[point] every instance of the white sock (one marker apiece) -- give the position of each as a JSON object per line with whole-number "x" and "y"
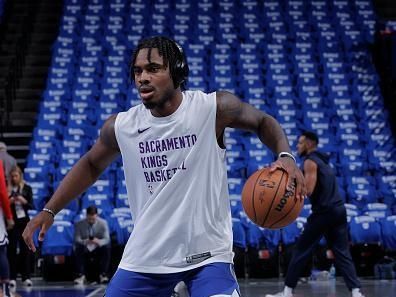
{"x": 6, "y": 290}
{"x": 355, "y": 291}
{"x": 288, "y": 291}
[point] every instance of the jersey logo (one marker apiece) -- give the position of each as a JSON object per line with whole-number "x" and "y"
{"x": 140, "y": 131}
{"x": 194, "y": 259}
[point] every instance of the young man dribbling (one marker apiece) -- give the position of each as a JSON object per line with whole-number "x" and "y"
{"x": 174, "y": 161}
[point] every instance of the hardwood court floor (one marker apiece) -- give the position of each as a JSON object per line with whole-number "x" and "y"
{"x": 332, "y": 288}
{"x": 249, "y": 288}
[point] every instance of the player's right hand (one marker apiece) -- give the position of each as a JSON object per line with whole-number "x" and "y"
{"x": 43, "y": 220}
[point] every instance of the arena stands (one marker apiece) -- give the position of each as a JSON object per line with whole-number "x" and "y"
{"x": 307, "y": 63}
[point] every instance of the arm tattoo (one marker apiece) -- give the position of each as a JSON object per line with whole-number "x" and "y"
{"x": 228, "y": 110}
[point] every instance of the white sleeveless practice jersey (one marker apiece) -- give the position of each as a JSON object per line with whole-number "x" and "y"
{"x": 176, "y": 180}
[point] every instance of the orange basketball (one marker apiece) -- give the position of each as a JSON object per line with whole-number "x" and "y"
{"x": 267, "y": 202}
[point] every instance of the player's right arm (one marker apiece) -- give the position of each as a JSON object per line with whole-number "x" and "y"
{"x": 82, "y": 175}
{"x": 310, "y": 175}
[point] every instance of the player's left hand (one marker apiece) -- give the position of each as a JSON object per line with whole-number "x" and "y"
{"x": 295, "y": 181}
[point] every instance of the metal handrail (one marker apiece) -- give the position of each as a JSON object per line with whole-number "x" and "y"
{"x": 17, "y": 64}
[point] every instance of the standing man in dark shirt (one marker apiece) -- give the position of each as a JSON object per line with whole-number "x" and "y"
{"x": 328, "y": 219}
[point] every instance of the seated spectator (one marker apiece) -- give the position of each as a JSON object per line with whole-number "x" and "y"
{"x": 92, "y": 241}
{"x": 21, "y": 200}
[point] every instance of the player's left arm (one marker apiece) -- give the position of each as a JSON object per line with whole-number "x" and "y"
{"x": 232, "y": 112}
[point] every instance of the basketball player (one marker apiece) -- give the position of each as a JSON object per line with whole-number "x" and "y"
{"x": 5, "y": 216}
{"x": 328, "y": 219}
{"x": 173, "y": 154}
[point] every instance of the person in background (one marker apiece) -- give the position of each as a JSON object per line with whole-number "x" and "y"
{"x": 21, "y": 200}
{"x": 5, "y": 216}
{"x": 328, "y": 219}
{"x": 9, "y": 162}
{"x": 92, "y": 239}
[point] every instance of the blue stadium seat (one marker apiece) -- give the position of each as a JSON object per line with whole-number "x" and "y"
{"x": 387, "y": 188}
{"x": 388, "y": 232}
{"x": 361, "y": 190}
{"x": 121, "y": 196}
{"x": 306, "y": 63}
{"x": 65, "y": 215}
{"x": 290, "y": 233}
{"x": 120, "y": 224}
{"x": 365, "y": 230}
{"x": 236, "y": 206}
{"x": 101, "y": 194}
{"x": 352, "y": 211}
{"x": 239, "y": 234}
{"x": 259, "y": 238}
{"x": 306, "y": 210}
{"x": 235, "y": 185}
{"x": 59, "y": 239}
{"x": 377, "y": 210}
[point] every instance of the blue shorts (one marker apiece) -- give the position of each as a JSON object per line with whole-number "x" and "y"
{"x": 216, "y": 279}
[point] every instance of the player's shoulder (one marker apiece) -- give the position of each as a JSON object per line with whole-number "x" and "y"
{"x": 226, "y": 98}
{"x": 192, "y": 94}
{"x": 199, "y": 101}
{"x": 108, "y": 125}
{"x": 311, "y": 158}
{"x": 319, "y": 157}
{"x": 223, "y": 93}
{"x": 132, "y": 109}
{"x": 128, "y": 116}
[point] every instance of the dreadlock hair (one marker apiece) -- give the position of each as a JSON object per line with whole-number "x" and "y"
{"x": 311, "y": 136}
{"x": 172, "y": 55}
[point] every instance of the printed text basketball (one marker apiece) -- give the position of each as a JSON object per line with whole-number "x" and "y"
{"x": 266, "y": 200}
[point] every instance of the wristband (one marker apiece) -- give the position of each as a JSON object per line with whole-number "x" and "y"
{"x": 49, "y": 211}
{"x": 286, "y": 154}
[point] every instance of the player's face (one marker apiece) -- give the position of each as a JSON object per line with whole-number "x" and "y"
{"x": 302, "y": 146}
{"x": 153, "y": 79}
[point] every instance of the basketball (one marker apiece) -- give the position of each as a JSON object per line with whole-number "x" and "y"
{"x": 266, "y": 200}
